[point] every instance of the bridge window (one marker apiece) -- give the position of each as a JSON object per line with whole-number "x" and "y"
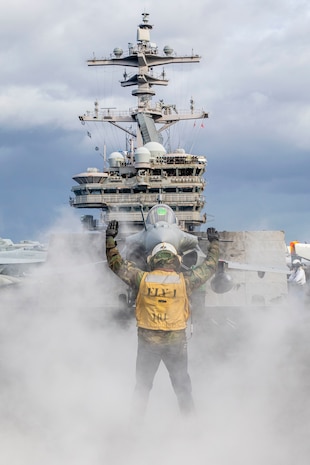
{"x": 110, "y": 191}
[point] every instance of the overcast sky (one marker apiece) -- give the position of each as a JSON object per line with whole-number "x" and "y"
{"x": 253, "y": 80}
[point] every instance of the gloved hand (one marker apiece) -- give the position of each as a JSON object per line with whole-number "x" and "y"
{"x": 212, "y": 234}
{"x": 112, "y": 228}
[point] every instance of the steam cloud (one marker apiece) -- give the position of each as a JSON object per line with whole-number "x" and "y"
{"x": 67, "y": 375}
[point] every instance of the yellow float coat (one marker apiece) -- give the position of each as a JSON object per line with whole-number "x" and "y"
{"x": 162, "y": 302}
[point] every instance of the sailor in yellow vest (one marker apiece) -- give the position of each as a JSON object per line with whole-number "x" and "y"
{"x": 162, "y": 312}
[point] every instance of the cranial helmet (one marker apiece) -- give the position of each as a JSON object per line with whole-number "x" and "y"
{"x": 164, "y": 255}
{"x": 296, "y": 263}
{"x": 164, "y": 246}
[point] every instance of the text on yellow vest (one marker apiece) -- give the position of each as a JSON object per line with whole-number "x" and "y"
{"x": 162, "y": 301}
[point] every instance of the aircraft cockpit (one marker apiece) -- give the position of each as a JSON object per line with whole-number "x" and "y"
{"x": 159, "y": 213}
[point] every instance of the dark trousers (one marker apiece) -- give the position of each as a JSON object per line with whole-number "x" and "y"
{"x": 171, "y": 348}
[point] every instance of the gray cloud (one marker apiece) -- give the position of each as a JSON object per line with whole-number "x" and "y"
{"x": 253, "y": 80}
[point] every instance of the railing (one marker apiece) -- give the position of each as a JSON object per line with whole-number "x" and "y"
{"x": 187, "y": 179}
{"x": 127, "y": 217}
{"x": 137, "y": 199}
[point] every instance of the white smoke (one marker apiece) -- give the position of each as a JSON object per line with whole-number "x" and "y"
{"x": 67, "y": 375}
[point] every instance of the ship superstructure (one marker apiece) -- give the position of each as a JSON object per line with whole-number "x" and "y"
{"x": 145, "y": 173}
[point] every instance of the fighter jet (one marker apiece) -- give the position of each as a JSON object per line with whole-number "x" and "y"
{"x": 161, "y": 225}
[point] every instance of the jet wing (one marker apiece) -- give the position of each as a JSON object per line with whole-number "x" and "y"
{"x": 303, "y": 250}
{"x": 250, "y": 267}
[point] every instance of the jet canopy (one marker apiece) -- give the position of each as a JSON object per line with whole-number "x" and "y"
{"x": 159, "y": 213}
